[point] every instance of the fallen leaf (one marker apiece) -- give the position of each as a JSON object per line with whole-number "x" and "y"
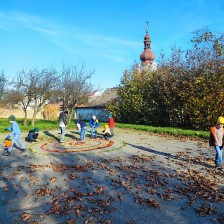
{"x": 26, "y": 216}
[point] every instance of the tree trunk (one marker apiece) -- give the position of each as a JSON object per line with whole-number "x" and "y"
{"x": 35, "y": 111}
{"x": 71, "y": 115}
{"x": 25, "y": 117}
{"x": 34, "y": 117}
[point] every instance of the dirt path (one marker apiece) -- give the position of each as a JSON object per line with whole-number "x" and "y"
{"x": 142, "y": 178}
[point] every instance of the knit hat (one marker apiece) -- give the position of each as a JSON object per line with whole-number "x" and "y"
{"x": 12, "y": 118}
{"x": 106, "y": 126}
{"x": 94, "y": 117}
{"x": 36, "y": 129}
{"x": 220, "y": 120}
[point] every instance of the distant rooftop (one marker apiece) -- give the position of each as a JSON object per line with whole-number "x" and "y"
{"x": 101, "y": 100}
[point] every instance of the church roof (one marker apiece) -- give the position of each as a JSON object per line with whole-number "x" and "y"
{"x": 147, "y": 56}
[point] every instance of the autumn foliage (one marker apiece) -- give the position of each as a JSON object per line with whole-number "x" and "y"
{"x": 185, "y": 91}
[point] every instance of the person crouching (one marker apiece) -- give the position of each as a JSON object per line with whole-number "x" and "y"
{"x": 32, "y": 135}
{"x": 106, "y": 132}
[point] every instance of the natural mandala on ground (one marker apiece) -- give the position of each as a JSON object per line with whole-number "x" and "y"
{"x": 75, "y": 146}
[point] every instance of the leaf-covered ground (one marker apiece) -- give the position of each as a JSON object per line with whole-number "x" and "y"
{"x": 143, "y": 178}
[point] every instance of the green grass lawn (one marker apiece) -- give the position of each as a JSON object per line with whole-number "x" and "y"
{"x": 53, "y": 124}
{"x": 167, "y": 130}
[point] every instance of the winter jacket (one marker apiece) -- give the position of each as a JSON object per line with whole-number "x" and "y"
{"x": 94, "y": 123}
{"x": 62, "y": 119}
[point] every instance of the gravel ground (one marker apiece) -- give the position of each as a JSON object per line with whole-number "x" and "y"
{"x": 142, "y": 178}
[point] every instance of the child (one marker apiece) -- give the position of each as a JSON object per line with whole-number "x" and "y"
{"x": 82, "y": 127}
{"x": 15, "y": 135}
{"x": 111, "y": 123}
{"x": 106, "y": 132}
{"x": 94, "y": 124}
{"x": 218, "y": 133}
{"x": 32, "y": 135}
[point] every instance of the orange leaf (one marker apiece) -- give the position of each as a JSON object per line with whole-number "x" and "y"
{"x": 26, "y": 216}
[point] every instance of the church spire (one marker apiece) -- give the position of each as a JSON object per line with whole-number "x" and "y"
{"x": 147, "y": 56}
{"x": 147, "y": 27}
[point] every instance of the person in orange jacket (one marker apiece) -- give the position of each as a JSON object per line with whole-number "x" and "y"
{"x": 218, "y": 134}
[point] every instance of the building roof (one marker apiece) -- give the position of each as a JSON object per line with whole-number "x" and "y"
{"x": 101, "y": 100}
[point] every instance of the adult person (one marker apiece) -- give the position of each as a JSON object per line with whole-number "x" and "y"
{"x": 15, "y": 134}
{"x": 94, "y": 124}
{"x": 62, "y": 122}
{"x": 82, "y": 127}
{"x": 218, "y": 134}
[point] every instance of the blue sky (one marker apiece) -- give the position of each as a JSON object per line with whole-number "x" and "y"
{"x": 105, "y": 35}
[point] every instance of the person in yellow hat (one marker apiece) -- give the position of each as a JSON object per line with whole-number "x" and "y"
{"x": 106, "y": 132}
{"x": 218, "y": 134}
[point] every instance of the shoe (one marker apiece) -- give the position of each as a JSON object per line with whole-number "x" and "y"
{"x": 220, "y": 167}
{"x": 94, "y": 137}
{"x": 6, "y": 153}
{"x": 23, "y": 150}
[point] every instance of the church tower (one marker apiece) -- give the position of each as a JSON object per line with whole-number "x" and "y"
{"x": 147, "y": 56}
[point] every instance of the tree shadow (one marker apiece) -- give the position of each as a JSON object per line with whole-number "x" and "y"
{"x": 10, "y": 187}
{"x": 51, "y": 135}
{"x": 88, "y": 181}
{"x": 169, "y": 155}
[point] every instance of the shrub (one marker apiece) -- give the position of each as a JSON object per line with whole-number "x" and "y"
{"x": 51, "y": 111}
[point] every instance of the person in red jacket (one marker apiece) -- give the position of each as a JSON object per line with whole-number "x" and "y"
{"x": 111, "y": 123}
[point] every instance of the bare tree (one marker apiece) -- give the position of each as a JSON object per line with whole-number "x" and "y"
{"x": 33, "y": 88}
{"x": 75, "y": 87}
{"x": 22, "y": 93}
{"x": 2, "y": 87}
{"x": 43, "y": 89}
{"x": 2, "y": 83}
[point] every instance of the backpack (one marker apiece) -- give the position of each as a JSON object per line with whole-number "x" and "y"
{"x": 211, "y": 139}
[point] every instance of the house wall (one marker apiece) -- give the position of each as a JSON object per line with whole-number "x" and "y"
{"x": 87, "y": 113}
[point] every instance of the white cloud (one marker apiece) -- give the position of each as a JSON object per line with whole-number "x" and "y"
{"x": 70, "y": 38}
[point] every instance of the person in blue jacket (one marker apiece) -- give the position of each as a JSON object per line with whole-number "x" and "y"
{"x": 15, "y": 135}
{"x": 94, "y": 124}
